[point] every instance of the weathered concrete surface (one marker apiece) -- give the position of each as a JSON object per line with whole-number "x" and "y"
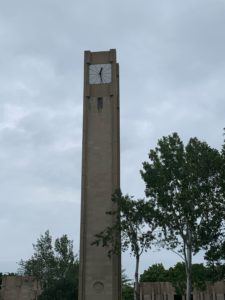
{"x": 99, "y": 277}
{"x": 19, "y": 288}
{"x": 165, "y": 291}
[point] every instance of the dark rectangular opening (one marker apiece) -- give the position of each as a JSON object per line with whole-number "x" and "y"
{"x": 177, "y": 297}
{"x": 100, "y": 103}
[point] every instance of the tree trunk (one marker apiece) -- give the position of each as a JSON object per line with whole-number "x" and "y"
{"x": 136, "y": 284}
{"x": 189, "y": 266}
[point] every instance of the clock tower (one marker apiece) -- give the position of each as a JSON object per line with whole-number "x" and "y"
{"x": 100, "y": 276}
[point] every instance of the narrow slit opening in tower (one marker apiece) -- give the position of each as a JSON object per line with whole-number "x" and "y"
{"x": 100, "y": 103}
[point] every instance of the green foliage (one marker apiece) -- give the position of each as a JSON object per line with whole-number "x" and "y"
{"x": 56, "y": 267}
{"x": 215, "y": 250}
{"x": 155, "y": 273}
{"x": 215, "y": 256}
{"x": 42, "y": 264}
{"x": 200, "y": 275}
{"x": 177, "y": 276}
{"x": 185, "y": 186}
{"x": 127, "y": 292}
{"x": 216, "y": 272}
{"x": 63, "y": 288}
{"x": 129, "y": 225}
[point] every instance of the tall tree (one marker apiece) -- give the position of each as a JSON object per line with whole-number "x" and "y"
{"x": 184, "y": 186}
{"x": 42, "y": 264}
{"x": 130, "y": 226}
{"x": 55, "y": 266}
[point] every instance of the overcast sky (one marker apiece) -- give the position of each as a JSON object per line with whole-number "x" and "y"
{"x": 172, "y": 74}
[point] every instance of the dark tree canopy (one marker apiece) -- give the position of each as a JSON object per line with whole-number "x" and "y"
{"x": 177, "y": 276}
{"x": 155, "y": 273}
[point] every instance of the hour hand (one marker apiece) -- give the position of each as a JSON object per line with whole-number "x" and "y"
{"x": 100, "y": 73}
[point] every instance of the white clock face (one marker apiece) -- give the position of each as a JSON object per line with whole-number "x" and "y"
{"x": 100, "y": 73}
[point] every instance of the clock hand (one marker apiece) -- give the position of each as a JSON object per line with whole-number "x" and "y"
{"x": 100, "y": 73}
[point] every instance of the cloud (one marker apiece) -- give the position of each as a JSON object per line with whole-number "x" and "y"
{"x": 171, "y": 57}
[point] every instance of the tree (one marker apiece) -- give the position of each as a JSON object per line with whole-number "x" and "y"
{"x": 42, "y": 264}
{"x": 155, "y": 273}
{"x": 130, "y": 225}
{"x": 56, "y": 267}
{"x": 185, "y": 188}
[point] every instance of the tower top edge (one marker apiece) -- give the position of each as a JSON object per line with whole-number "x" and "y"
{"x": 100, "y": 52}
{"x": 100, "y": 56}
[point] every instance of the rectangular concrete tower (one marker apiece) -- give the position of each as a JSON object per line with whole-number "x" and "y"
{"x": 100, "y": 276}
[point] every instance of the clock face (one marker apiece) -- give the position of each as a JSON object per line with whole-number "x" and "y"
{"x": 100, "y": 73}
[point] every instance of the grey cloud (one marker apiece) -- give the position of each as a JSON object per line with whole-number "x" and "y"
{"x": 44, "y": 150}
{"x": 171, "y": 56}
